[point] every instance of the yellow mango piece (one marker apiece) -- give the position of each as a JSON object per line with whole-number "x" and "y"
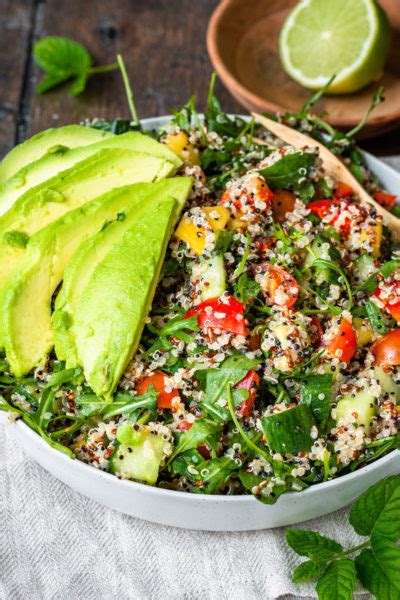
{"x": 192, "y": 235}
{"x": 374, "y": 234}
{"x": 179, "y": 143}
{"x": 237, "y": 224}
{"x": 363, "y": 331}
{"x": 217, "y": 216}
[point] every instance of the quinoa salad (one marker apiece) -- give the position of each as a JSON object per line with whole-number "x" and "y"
{"x": 270, "y": 359}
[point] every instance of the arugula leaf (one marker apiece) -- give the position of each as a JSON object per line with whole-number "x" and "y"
{"x": 375, "y": 317}
{"x": 291, "y": 170}
{"x": 64, "y": 376}
{"x": 197, "y": 434}
{"x": 62, "y": 60}
{"x": 216, "y": 472}
{"x": 224, "y": 240}
{"x": 231, "y": 371}
{"x": 246, "y": 288}
{"x": 89, "y": 405}
{"x": 338, "y": 581}
{"x": 307, "y": 570}
{"x": 312, "y": 544}
{"x": 377, "y": 511}
{"x": 386, "y": 270}
{"x": 316, "y": 392}
{"x": 217, "y": 120}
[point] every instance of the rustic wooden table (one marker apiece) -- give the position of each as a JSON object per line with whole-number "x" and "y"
{"x": 162, "y": 41}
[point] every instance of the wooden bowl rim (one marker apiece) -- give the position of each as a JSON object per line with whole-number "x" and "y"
{"x": 232, "y": 83}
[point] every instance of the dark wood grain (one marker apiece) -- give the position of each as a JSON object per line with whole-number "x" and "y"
{"x": 162, "y": 41}
{"x": 163, "y": 44}
{"x": 16, "y": 23}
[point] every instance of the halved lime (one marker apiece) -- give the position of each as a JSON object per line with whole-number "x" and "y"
{"x": 346, "y": 38}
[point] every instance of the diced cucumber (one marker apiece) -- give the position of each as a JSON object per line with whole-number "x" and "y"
{"x": 363, "y": 267}
{"x": 211, "y": 274}
{"x": 387, "y": 384}
{"x": 290, "y": 430}
{"x": 362, "y": 408}
{"x": 140, "y": 462}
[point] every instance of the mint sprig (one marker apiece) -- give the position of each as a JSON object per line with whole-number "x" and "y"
{"x": 375, "y": 562}
{"x": 64, "y": 60}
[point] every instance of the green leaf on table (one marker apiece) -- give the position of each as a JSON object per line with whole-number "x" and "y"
{"x": 62, "y": 59}
{"x": 372, "y": 572}
{"x": 377, "y": 511}
{"x": 312, "y": 544}
{"x": 307, "y": 570}
{"x": 291, "y": 170}
{"x": 338, "y": 581}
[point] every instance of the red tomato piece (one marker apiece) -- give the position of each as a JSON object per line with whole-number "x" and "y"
{"x": 250, "y": 383}
{"x": 391, "y": 302}
{"x": 385, "y": 199}
{"x": 225, "y": 313}
{"x": 316, "y": 332}
{"x": 387, "y": 349}
{"x": 242, "y": 196}
{"x": 280, "y": 287}
{"x": 330, "y": 211}
{"x": 343, "y": 344}
{"x": 282, "y": 203}
{"x": 184, "y": 426}
{"x": 343, "y": 190}
{"x": 157, "y": 379}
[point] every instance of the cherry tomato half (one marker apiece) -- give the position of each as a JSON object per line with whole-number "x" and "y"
{"x": 250, "y": 383}
{"x": 343, "y": 344}
{"x": 331, "y": 211}
{"x": 254, "y": 187}
{"x": 225, "y": 313}
{"x": 282, "y": 203}
{"x": 280, "y": 287}
{"x": 385, "y": 199}
{"x": 157, "y": 379}
{"x": 392, "y": 302}
{"x": 343, "y": 190}
{"x": 387, "y": 349}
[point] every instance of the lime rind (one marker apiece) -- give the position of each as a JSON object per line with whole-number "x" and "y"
{"x": 307, "y": 20}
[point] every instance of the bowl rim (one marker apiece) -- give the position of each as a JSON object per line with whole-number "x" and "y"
{"x": 189, "y": 496}
{"x": 36, "y": 439}
{"x": 232, "y": 83}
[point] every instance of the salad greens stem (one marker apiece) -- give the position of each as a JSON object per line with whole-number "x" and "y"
{"x": 128, "y": 90}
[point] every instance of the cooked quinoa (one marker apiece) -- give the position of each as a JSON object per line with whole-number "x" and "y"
{"x": 259, "y": 369}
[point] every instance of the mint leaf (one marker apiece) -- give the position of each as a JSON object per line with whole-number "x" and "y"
{"x": 338, "y": 581}
{"x": 377, "y": 511}
{"x": 373, "y": 578}
{"x": 387, "y": 555}
{"x": 312, "y": 544}
{"x": 62, "y": 59}
{"x": 307, "y": 570}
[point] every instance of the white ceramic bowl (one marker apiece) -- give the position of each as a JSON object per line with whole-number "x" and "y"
{"x": 198, "y": 511}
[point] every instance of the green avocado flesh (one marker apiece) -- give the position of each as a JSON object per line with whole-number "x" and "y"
{"x": 110, "y": 313}
{"x": 81, "y": 267}
{"x": 70, "y": 136}
{"x": 52, "y": 163}
{"x": 106, "y": 170}
{"x": 25, "y": 301}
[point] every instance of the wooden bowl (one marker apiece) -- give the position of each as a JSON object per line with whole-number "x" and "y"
{"x": 242, "y": 41}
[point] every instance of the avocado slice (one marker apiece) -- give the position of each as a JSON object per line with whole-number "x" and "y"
{"x": 50, "y": 200}
{"x": 70, "y": 136}
{"x": 61, "y": 159}
{"x": 111, "y": 311}
{"x": 91, "y": 253}
{"x": 25, "y": 301}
